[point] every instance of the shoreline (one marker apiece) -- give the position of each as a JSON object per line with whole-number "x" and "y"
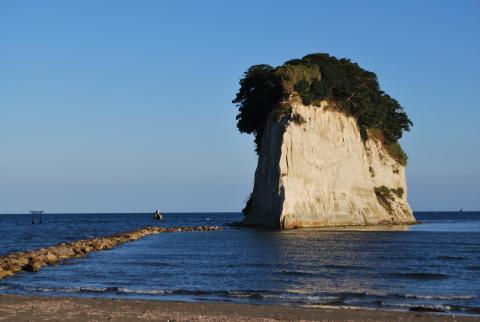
{"x": 38, "y": 308}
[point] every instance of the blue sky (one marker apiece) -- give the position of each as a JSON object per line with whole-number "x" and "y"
{"x": 126, "y": 105}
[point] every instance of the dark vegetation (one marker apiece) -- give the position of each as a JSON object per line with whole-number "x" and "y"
{"x": 383, "y": 192}
{"x": 297, "y": 119}
{"x": 398, "y": 192}
{"x": 316, "y": 78}
{"x": 396, "y": 151}
{"x": 386, "y": 195}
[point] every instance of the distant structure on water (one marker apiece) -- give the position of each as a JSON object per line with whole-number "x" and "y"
{"x": 157, "y": 215}
{"x": 38, "y": 213}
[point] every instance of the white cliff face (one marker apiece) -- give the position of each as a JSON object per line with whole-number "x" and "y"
{"x": 321, "y": 173}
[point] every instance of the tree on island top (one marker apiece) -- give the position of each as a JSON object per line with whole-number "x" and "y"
{"x": 315, "y": 78}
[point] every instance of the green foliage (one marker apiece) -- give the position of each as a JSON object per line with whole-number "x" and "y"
{"x": 384, "y": 196}
{"x": 295, "y": 71}
{"x": 260, "y": 90}
{"x": 372, "y": 172}
{"x": 383, "y": 192}
{"x": 320, "y": 90}
{"x": 397, "y": 153}
{"x": 398, "y": 192}
{"x": 319, "y": 77}
{"x": 281, "y": 111}
{"x": 302, "y": 87}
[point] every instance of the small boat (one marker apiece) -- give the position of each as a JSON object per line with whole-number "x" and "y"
{"x": 157, "y": 215}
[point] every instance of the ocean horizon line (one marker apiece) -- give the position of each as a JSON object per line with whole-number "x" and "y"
{"x": 197, "y": 212}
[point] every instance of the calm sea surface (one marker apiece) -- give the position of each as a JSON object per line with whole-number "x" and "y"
{"x": 433, "y": 265}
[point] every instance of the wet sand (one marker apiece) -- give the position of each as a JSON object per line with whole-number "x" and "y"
{"x": 26, "y": 308}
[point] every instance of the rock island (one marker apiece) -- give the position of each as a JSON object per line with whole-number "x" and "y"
{"x": 326, "y": 136}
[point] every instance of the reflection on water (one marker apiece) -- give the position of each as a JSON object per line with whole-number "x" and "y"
{"x": 435, "y": 264}
{"x": 365, "y": 228}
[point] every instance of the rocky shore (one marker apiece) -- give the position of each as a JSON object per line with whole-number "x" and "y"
{"x": 33, "y": 261}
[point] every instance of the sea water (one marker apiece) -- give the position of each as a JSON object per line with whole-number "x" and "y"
{"x": 432, "y": 266}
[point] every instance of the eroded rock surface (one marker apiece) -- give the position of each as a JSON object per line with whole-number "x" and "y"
{"x": 319, "y": 172}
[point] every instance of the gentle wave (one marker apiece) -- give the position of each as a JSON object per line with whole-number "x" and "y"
{"x": 447, "y": 257}
{"x": 121, "y": 290}
{"x": 430, "y": 308}
{"x": 386, "y": 301}
{"x": 439, "y": 297}
{"x": 250, "y": 294}
{"x": 247, "y": 293}
{"x": 420, "y": 276}
{"x": 346, "y": 267}
{"x": 440, "y": 308}
{"x": 297, "y": 273}
{"x": 466, "y": 309}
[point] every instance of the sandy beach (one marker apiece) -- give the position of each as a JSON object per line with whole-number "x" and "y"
{"x": 19, "y": 308}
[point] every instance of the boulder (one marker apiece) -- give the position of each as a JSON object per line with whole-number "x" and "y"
{"x": 5, "y": 273}
{"x": 34, "y": 265}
